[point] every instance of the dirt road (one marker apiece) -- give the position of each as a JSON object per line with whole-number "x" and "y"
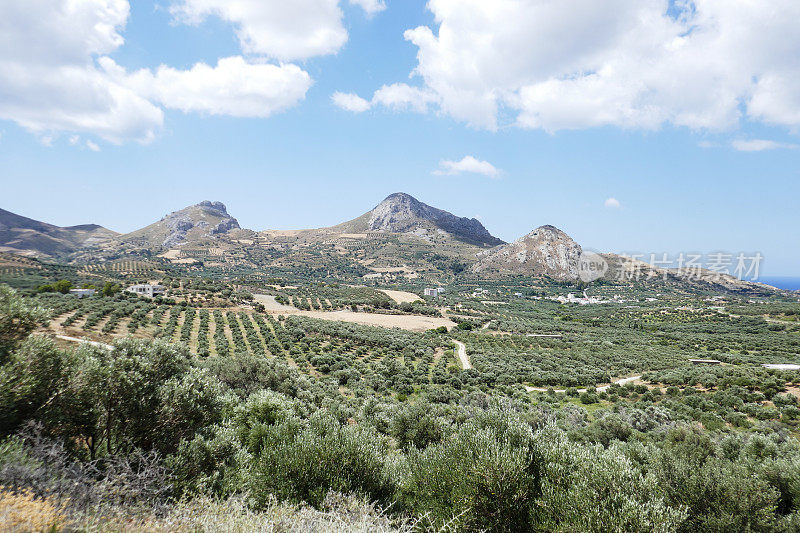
{"x": 462, "y": 355}
{"x": 84, "y": 341}
{"x": 602, "y": 388}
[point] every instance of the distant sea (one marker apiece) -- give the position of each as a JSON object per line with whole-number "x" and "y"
{"x": 783, "y": 282}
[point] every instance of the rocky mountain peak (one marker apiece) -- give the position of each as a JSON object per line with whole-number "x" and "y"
{"x": 190, "y": 224}
{"x": 219, "y": 207}
{"x": 545, "y": 251}
{"x": 397, "y": 210}
{"x": 402, "y": 213}
{"x": 546, "y": 233}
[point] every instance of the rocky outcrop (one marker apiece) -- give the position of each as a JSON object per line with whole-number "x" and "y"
{"x": 402, "y": 213}
{"x": 546, "y": 251}
{"x": 195, "y": 223}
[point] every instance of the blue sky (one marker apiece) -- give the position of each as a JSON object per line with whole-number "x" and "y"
{"x": 684, "y": 179}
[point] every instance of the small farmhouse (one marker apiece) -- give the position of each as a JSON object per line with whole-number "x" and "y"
{"x": 147, "y": 289}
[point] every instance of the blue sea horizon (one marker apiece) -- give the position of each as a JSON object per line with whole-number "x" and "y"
{"x": 789, "y": 283}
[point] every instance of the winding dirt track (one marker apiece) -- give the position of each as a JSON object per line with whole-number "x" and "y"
{"x": 84, "y": 341}
{"x": 462, "y": 355}
{"x": 466, "y": 365}
{"x": 602, "y": 388}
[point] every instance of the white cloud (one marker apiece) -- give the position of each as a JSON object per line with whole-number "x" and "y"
{"x": 707, "y": 144}
{"x": 56, "y": 76}
{"x": 402, "y": 97}
{"x": 626, "y": 63}
{"x": 468, "y": 164}
{"x": 281, "y": 29}
{"x": 92, "y": 146}
{"x": 398, "y": 97}
{"x": 350, "y": 102}
{"x": 759, "y": 145}
{"x": 612, "y": 203}
{"x": 370, "y": 7}
{"x": 234, "y": 87}
{"x": 49, "y": 81}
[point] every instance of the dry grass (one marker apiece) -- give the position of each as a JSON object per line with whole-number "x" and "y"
{"x": 409, "y": 322}
{"x": 21, "y": 511}
{"x": 401, "y": 296}
{"x": 340, "y": 514}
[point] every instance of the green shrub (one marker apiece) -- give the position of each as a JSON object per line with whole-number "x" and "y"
{"x": 303, "y": 464}
{"x": 485, "y": 477}
{"x": 589, "y": 488}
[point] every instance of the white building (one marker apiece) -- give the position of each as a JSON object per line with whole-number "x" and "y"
{"x": 147, "y": 289}
{"x": 82, "y": 293}
{"x": 431, "y": 292}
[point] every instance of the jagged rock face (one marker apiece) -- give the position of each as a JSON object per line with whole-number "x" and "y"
{"x": 191, "y": 224}
{"x": 211, "y": 218}
{"x": 546, "y": 251}
{"x": 402, "y": 213}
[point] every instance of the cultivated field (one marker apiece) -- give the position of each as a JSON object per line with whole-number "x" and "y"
{"x": 401, "y": 297}
{"x": 407, "y": 322}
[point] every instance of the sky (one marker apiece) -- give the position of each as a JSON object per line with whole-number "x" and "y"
{"x": 638, "y": 126}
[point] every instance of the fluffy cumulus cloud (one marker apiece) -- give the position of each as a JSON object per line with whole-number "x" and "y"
{"x": 233, "y": 87}
{"x": 701, "y": 64}
{"x": 759, "y": 145}
{"x": 281, "y": 29}
{"x": 612, "y": 203}
{"x": 468, "y": 164}
{"x": 398, "y": 97}
{"x": 49, "y": 80}
{"x": 370, "y": 7}
{"x": 401, "y": 97}
{"x": 350, "y": 102}
{"x": 56, "y": 75}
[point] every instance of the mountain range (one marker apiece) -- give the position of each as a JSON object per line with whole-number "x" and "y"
{"x": 400, "y": 234}
{"x": 25, "y": 236}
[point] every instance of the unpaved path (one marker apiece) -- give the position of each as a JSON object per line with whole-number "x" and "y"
{"x": 602, "y": 388}
{"x": 462, "y": 355}
{"x": 84, "y": 341}
{"x": 466, "y": 365}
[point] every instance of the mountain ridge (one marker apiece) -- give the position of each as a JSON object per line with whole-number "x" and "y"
{"x": 428, "y": 238}
{"x": 27, "y": 236}
{"x": 402, "y": 213}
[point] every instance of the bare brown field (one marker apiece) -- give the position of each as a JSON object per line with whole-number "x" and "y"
{"x": 408, "y": 322}
{"x": 401, "y": 297}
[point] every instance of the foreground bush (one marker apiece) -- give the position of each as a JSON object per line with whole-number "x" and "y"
{"x": 480, "y": 479}
{"x": 305, "y": 462}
